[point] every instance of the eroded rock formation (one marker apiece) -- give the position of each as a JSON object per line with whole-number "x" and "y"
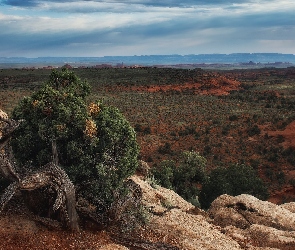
{"x": 241, "y": 222}
{"x": 260, "y": 223}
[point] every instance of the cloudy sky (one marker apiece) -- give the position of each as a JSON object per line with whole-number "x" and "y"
{"x": 35, "y": 28}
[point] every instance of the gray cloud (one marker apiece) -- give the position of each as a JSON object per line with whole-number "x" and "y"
{"x": 20, "y": 3}
{"x": 109, "y": 27}
{"x": 155, "y": 3}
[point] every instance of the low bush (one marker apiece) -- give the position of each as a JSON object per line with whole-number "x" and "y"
{"x": 234, "y": 180}
{"x": 184, "y": 177}
{"x": 254, "y": 130}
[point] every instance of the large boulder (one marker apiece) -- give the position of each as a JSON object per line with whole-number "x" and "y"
{"x": 244, "y": 210}
{"x": 251, "y": 221}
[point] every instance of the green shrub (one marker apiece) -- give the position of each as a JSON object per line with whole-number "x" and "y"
{"x": 184, "y": 177}
{"x": 233, "y": 118}
{"x": 234, "y": 180}
{"x": 96, "y": 145}
{"x": 165, "y": 172}
{"x": 254, "y": 130}
{"x": 165, "y": 149}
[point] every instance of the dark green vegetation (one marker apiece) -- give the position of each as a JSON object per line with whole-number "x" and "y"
{"x": 183, "y": 178}
{"x": 191, "y": 172}
{"x": 233, "y": 180}
{"x": 226, "y": 130}
{"x": 95, "y": 144}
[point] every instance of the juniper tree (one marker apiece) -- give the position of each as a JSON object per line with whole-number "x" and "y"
{"x": 93, "y": 143}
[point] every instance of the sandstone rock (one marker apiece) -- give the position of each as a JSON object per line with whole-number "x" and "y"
{"x": 245, "y": 210}
{"x": 159, "y": 199}
{"x": 244, "y": 238}
{"x": 178, "y": 221}
{"x": 239, "y": 235}
{"x": 253, "y": 223}
{"x": 228, "y": 216}
{"x": 261, "y": 248}
{"x": 192, "y": 232}
{"x": 172, "y": 219}
{"x": 270, "y": 237}
{"x": 289, "y": 206}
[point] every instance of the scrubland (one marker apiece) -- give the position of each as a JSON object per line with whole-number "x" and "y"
{"x": 231, "y": 116}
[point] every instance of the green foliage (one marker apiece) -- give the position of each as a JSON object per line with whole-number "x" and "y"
{"x": 182, "y": 178}
{"x": 58, "y": 111}
{"x": 190, "y": 172}
{"x": 96, "y": 145}
{"x": 165, "y": 149}
{"x": 164, "y": 173}
{"x": 233, "y": 118}
{"x": 213, "y": 118}
{"x": 234, "y": 180}
{"x": 255, "y": 130}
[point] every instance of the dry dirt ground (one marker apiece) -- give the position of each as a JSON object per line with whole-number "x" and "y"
{"x": 20, "y": 230}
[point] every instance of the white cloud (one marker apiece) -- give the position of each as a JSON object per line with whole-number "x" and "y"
{"x": 78, "y": 22}
{"x": 283, "y": 46}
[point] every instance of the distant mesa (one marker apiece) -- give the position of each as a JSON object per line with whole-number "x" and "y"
{"x": 258, "y": 60}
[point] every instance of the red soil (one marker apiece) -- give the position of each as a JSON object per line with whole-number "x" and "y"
{"x": 19, "y": 230}
{"x": 288, "y": 133}
{"x": 214, "y": 86}
{"x": 287, "y": 192}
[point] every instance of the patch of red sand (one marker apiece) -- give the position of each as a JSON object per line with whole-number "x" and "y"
{"x": 214, "y": 86}
{"x": 288, "y": 133}
{"x": 279, "y": 196}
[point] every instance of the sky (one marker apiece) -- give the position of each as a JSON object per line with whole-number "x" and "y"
{"x": 36, "y": 28}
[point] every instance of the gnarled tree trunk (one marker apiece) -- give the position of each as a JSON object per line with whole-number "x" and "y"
{"x": 50, "y": 175}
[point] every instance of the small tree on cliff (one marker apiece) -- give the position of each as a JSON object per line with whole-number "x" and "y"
{"x": 93, "y": 143}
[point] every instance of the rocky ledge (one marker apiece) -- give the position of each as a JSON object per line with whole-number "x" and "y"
{"x": 241, "y": 222}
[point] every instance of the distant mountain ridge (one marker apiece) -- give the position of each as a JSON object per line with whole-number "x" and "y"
{"x": 152, "y": 60}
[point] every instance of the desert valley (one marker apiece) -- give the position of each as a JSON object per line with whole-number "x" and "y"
{"x": 233, "y": 116}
